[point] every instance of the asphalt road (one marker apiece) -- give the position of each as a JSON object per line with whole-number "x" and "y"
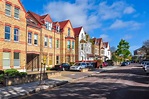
{"x": 127, "y": 82}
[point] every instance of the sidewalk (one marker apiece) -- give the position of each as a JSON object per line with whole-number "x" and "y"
{"x": 24, "y": 89}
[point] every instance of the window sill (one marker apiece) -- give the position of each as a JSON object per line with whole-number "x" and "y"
{"x": 8, "y": 15}
{"x": 29, "y": 44}
{"x": 7, "y": 40}
{"x": 17, "y": 18}
{"x": 16, "y": 41}
{"x": 35, "y": 44}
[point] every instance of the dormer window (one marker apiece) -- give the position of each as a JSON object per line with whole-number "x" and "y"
{"x": 57, "y": 28}
{"x": 48, "y": 25}
{"x": 68, "y": 31}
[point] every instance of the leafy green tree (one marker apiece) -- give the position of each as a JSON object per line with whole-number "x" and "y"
{"x": 123, "y": 50}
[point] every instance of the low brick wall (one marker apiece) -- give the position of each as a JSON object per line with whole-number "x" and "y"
{"x": 29, "y": 78}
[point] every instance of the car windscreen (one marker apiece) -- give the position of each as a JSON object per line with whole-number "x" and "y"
{"x": 77, "y": 64}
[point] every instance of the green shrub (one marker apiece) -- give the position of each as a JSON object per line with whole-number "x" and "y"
{"x": 1, "y": 72}
{"x": 22, "y": 74}
{"x": 11, "y": 72}
{"x": 48, "y": 68}
{"x": 1, "y": 77}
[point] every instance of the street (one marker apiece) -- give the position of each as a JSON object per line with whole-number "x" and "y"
{"x": 127, "y": 82}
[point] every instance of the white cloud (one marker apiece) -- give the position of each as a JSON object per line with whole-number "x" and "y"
{"x": 115, "y": 10}
{"x": 77, "y": 13}
{"x": 128, "y": 24}
{"x": 127, "y": 37}
{"x": 105, "y": 37}
{"x": 129, "y": 10}
{"x": 87, "y": 13}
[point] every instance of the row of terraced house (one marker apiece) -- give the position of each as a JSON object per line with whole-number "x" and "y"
{"x": 27, "y": 40}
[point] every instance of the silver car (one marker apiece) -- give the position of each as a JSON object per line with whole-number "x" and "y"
{"x": 146, "y": 68}
{"x": 78, "y": 66}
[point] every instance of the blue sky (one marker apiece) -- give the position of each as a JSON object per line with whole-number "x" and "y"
{"x": 110, "y": 19}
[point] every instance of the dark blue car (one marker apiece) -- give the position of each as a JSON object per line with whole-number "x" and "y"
{"x": 124, "y": 64}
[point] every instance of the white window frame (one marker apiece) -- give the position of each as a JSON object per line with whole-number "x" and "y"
{"x": 16, "y": 60}
{"x": 7, "y": 60}
{"x": 16, "y": 34}
{"x": 58, "y": 29}
{"x": 6, "y": 9}
{"x": 45, "y": 41}
{"x": 68, "y": 44}
{"x": 48, "y": 25}
{"x": 30, "y": 38}
{"x": 8, "y": 33}
{"x": 16, "y": 14}
{"x": 35, "y": 39}
{"x": 73, "y": 44}
{"x": 50, "y": 42}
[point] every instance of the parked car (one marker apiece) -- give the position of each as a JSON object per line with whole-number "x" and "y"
{"x": 62, "y": 67}
{"x": 90, "y": 65}
{"x": 146, "y": 68}
{"x": 78, "y": 66}
{"x": 144, "y": 64}
{"x": 124, "y": 64}
{"x": 104, "y": 64}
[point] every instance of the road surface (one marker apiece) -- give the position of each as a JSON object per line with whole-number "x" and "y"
{"x": 127, "y": 82}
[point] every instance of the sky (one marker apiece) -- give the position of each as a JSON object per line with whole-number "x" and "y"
{"x": 111, "y": 20}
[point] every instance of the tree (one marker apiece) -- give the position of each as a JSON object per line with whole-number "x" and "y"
{"x": 123, "y": 50}
{"x": 145, "y": 47}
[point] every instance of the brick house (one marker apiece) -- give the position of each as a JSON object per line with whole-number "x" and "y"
{"x": 95, "y": 48}
{"x": 43, "y": 37}
{"x": 13, "y": 35}
{"x": 67, "y": 44}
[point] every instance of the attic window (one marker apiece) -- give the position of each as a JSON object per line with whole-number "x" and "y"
{"x": 57, "y": 28}
{"x": 48, "y": 25}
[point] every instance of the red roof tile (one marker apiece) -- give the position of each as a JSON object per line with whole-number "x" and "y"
{"x": 105, "y": 44}
{"x": 63, "y": 23}
{"x": 77, "y": 31}
{"x": 39, "y": 18}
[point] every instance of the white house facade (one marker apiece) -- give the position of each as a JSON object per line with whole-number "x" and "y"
{"x": 107, "y": 52}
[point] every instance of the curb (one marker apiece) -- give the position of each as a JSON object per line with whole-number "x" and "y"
{"x": 35, "y": 90}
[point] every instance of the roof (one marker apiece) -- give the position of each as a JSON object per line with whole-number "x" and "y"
{"x": 99, "y": 40}
{"x": 77, "y": 31}
{"x": 38, "y": 17}
{"x": 105, "y": 44}
{"x": 63, "y": 23}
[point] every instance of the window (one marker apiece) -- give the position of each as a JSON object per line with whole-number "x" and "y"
{"x": 6, "y": 60}
{"x": 16, "y": 13}
{"x": 48, "y": 25}
{"x": 45, "y": 59}
{"x": 8, "y": 10}
{"x": 57, "y": 43}
{"x": 73, "y": 44}
{"x": 102, "y": 51}
{"x": 68, "y": 31}
{"x": 7, "y": 32}
{"x": 57, "y": 28}
{"x": 16, "y": 34}
{"x": 45, "y": 41}
{"x": 29, "y": 38}
{"x": 50, "y": 60}
{"x": 82, "y": 36}
{"x": 57, "y": 59}
{"x": 68, "y": 44}
{"x": 81, "y": 46}
{"x": 16, "y": 59}
{"x": 35, "y": 39}
{"x": 50, "y": 42}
